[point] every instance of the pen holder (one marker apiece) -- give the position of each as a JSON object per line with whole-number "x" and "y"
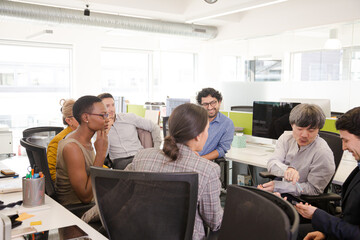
{"x": 239, "y": 142}
{"x": 33, "y": 191}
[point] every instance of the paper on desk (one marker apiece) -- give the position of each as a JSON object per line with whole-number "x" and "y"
{"x": 10, "y": 185}
{"x": 35, "y": 223}
{"x": 24, "y": 216}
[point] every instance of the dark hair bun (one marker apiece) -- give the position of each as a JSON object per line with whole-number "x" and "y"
{"x": 170, "y": 148}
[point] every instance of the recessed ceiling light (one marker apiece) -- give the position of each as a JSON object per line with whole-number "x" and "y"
{"x": 211, "y": 1}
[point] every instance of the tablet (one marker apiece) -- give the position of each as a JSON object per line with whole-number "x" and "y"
{"x": 72, "y": 232}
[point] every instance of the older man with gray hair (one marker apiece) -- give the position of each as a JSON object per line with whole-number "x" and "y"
{"x": 301, "y": 157}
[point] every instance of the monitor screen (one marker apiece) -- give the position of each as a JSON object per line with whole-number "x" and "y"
{"x": 271, "y": 119}
{"x": 172, "y": 103}
{"x": 324, "y": 104}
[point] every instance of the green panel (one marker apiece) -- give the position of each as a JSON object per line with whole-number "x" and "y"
{"x": 225, "y": 113}
{"x": 330, "y": 125}
{"x": 245, "y": 120}
{"x": 137, "y": 109}
{"x": 242, "y": 120}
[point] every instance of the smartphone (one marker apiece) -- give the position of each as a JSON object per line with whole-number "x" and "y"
{"x": 292, "y": 199}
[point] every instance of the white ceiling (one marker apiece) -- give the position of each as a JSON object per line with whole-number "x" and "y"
{"x": 217, "y": 14}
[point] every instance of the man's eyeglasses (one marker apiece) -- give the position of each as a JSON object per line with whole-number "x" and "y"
{"x": 212, "y": 103}
{"x": 104, "y": 115}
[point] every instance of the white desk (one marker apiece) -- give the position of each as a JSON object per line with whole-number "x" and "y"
{"x": 257, "y": 155}
{"x": 52, "y": 215}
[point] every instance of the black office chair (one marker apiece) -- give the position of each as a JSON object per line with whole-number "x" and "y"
{"x": 224, "y": 167}
{"x": 145, "y": 205}
{"x": 44, "y": 131}
{"x": 251, "y": 213}
{"x": 38, "y": 161}
{"x": 41, "y": 136}
{"x": 323, "y": 200}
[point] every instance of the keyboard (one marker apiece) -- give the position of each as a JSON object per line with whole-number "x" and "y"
{"x": 254, "y": 152}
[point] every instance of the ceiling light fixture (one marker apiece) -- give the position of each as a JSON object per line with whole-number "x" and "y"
{"x": 41, "y": 33}
{"x": 211, "y": 1}
{"x": 333, "y": 43}
{"x": 232, "y": 10}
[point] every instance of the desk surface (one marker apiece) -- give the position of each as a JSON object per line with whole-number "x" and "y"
{"x": 258, "y": 155}
{"x": 52, "y": 214}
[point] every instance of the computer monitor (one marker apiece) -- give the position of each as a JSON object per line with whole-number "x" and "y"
{"x": 172, "y": 103}
{"x": 324, "y": 104}
{"x": 271, "y": 119}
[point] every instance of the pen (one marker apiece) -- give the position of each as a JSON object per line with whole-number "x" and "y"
{"x": 299, "y": 187}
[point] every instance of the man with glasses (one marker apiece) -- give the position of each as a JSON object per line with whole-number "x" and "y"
{"x": 221, "y": 129}
{"x": 123, "y": 136}
{"x": 301, "y": 156}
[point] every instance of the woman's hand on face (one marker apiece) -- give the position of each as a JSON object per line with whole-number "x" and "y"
{"x": 101, "y": 142}
{"x": 110, "y": 123}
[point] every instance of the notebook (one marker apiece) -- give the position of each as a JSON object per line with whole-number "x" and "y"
{"x": 10, "y": 185}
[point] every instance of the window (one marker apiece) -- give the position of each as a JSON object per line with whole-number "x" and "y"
{"x": 263, "y": 70}
{"x": 176, "y": 72}
{"x": 354, "y": 63}
{"x": 231, "y": 69}
{"x": 33, "y": 79}
{"x": 323, "y": 65}
{"x": 126, "y": 73}
{"x": 142, "y": 76}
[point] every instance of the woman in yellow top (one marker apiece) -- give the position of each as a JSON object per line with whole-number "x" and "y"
{"x": 72, "y": 124}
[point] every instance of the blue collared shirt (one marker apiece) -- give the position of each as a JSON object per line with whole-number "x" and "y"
{"x": 221, "y": 134}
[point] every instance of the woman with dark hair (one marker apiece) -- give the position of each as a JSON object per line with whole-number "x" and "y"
{"x": 76, "y": 154}
{"x": 188, "y": 129}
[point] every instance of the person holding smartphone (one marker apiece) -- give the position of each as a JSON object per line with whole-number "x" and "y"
{"x": 347, "y": 226}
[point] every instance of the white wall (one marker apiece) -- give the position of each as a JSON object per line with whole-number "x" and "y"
{"x": 343, "y": 95}
{"x": 290, "y": 15}
{"x": 293, "y": 14}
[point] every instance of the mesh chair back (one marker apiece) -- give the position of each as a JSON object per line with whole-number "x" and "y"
{"x": 249, "y": 215}
{"x": 288, "y": 209}
{"x": 335, "y": 144}
{"x": 145, "y": 205}
{"x": 42, "y": 135}
{"x": 38, "y": 161}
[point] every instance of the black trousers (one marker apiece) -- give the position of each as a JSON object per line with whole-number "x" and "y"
{"x": 121, "y": 163}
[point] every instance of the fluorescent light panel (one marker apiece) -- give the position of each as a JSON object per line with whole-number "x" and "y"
{"x": 234, "y": 11}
